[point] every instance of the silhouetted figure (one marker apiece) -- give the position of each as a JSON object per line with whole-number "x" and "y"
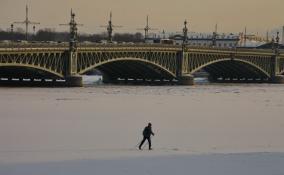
{"x": 147, "y": 132}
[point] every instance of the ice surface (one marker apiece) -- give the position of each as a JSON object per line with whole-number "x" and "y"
{"x": 215, "y": 164}
{"x": 202, "y": 129}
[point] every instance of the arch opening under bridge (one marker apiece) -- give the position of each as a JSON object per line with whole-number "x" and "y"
{"x": 27, "y": 71}
{"x": 132, "y": 69}
{"x": 236, "y": 69}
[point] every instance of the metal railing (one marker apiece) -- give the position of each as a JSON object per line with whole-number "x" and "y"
{"x": 54, "y": 46}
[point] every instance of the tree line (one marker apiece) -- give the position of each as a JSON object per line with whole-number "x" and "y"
{"x": 52, "y": 35}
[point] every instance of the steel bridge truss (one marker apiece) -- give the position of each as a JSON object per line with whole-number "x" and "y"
{"x": 232, "y": 65}
{"x": 50, "y": 64}
{"x": 130, "y": 64}
{"x": 141, "y": 62}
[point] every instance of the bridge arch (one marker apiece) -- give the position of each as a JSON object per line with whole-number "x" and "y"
{"x": 33, "y": 68}
{"x": 237, "y": 66}
{"x": 145, "y": 65}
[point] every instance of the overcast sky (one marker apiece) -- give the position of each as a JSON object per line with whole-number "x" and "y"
{"x": 231, "y": 15}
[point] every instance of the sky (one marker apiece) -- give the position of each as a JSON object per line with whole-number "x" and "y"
{"x": 231, "y": 15}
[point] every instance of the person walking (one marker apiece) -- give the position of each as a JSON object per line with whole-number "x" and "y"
{"x": 147, "y": 132}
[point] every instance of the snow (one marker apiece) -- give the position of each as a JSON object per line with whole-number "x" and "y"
{"x": 203, "y": 129}
{"x": 211, "y": 164}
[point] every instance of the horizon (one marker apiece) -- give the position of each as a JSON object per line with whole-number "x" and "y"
{"x": 202, "y": 15}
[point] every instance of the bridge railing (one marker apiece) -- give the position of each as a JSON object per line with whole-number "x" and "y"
{"x": 32, "y": 44}
{"x": 36, "y": 46}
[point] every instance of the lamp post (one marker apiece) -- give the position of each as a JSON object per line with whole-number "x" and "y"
{"x": 185, "y": 32}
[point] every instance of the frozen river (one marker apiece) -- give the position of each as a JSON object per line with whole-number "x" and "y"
{"x": 40, "y": 127}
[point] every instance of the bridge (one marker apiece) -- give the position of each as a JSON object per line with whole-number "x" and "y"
{"x": 140, "y": 62}
{"x": 137, "y": 62}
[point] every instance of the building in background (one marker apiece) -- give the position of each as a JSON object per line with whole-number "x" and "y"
{"x": 252, "y": 40}
{"x": 205, "y": 40}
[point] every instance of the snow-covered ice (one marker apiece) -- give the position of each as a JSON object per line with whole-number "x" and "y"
{"x": 203, "y": 129}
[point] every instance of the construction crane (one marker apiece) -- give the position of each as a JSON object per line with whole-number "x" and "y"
{"x": 27, "y": 22}
{"x": 73, "y": 31}
{"x": 147, "y": 28}
{"x": 110, "y": 27}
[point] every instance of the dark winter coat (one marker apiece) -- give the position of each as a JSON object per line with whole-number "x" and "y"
{"x": 147, "y": 132}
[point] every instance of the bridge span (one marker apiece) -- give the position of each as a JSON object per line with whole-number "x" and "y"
{"x": 140, "y": 63}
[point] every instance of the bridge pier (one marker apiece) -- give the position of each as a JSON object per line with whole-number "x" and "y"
{"x": 74, "y": 81}
{"x": 186, "y": 80}
{"x": 278, "y": 79}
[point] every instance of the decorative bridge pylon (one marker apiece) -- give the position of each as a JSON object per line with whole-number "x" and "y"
{"x": 185, "y": 33}
{"x": 72, "y": 77}
{"x": 183, "y": 76}
{"x": 110, "y": 27}
{"x": 146, "y": 29}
